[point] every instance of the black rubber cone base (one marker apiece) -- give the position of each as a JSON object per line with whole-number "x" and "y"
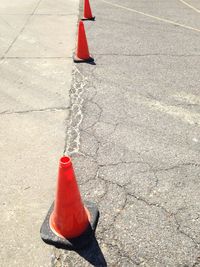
{"x": 80, "y": 60}
{"x": 93, "y": 18}
{"x": 49, "y": 237}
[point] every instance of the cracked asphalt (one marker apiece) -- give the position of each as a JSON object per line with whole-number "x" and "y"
{"x": 134, "y": 134}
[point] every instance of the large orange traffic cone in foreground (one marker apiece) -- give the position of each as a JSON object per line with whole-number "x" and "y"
{"x": 69, "y": 218}
{"x": 82, "y": 51}
{"x": 69, "y": 224}
{"x": 87, "y": 11}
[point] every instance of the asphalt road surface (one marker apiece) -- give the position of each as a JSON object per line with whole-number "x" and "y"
{"x": 134, "y": 134}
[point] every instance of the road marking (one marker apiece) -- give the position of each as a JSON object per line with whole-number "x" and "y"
{"x": 178, "y": 112}
{"x": 151, "y": 16}
{"x": 185, "y": 115}
{"x": 190, "y": 6}
{"x": 188, "y": 98}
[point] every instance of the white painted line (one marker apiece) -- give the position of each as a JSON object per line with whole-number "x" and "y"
{"x": 151, "y": 16}
{"x": 183, "y": 114}
{"x": 190, "y": 6}
{"x": 176, "y": 112}
{"x": 188, "y": 98}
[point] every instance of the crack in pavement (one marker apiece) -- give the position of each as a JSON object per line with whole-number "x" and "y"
{"x": 22, "y": 29}
{"x": 53, "y": 109}
{"x": 40, "y": 14}
{"x": 150, "y": 204}
{"x": 140, "y": 197}
{"x": 37, "y": 57}
{"x": 121, "y": 254}
{"x": 147, "y": 55}
{"x": 74, "y": 146}
{"x": 157, "y": 205}
{"x": 177, "y": 166}
{"x": 72, "y": 140}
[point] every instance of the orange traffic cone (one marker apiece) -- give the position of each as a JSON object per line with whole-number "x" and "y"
{"x": 87, "y": 11}
{"x": 69, "y": 224}
{"x": 82, "y": 51}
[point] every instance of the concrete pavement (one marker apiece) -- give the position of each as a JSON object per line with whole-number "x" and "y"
{"x": 138, "y": 155}
{"x": 36, "y": 43}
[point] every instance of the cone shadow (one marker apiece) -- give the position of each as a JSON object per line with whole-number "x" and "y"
{"x": 92, "y": 63}
{"x": 93, "y": 254}
{"x": 86, "y": 62}
{"x": 87, "y": 19}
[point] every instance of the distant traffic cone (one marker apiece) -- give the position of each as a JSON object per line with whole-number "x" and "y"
{"x": 82, "y": 51}
{"x": 69, "y": 224}
{"x": 87, "y": 11}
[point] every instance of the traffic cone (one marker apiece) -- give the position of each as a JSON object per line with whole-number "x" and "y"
{"x": 69, "y": 224}
{"x": 87, "y": 11}
{"x": 82, "y": 51}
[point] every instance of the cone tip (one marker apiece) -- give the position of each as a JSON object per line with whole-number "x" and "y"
{"x": 65, "y": 162}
